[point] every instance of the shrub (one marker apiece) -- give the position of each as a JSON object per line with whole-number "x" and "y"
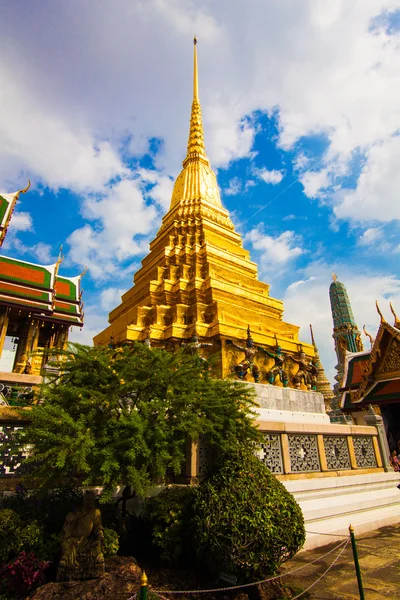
{"x": 23, "y": 575}
{"x": 111, "y": 542}
{"x": 169, "y": 514}
{"x": 246, "y": 522}
{"x": 15, "y": 535}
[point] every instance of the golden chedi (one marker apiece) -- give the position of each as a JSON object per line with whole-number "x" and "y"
{"x": 198, "y": 280}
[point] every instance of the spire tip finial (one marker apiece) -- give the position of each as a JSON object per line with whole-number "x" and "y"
{"x": 380, "y": 312}
{"x": 195, "y": 40}
{"x": 334, "y": 277}
{"x": 396, "y": 319}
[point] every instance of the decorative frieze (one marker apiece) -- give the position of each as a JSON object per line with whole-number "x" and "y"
{"x": 337, "y": 452}
{"x": 364, "y": 451}
{"x": 303, "y": 452}
{"x": 270, "y": 452}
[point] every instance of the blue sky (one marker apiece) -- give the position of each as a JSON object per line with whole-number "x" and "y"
{"x": 301, "y": 118}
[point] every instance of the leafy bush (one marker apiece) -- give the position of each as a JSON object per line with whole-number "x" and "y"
{"x": 16, "y": 535}
{"x": 111, "y": 542}
{"x": 246, "y": 522}
{"x": 169, "y": 514}
{"x": 23, "y": 575}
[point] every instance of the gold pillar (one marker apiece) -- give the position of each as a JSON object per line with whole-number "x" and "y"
{"x": 4, "y": 320}
{"x": 322, "y": 454}
{"x": 352, "y": 454}
{"x": 285, "y": 453}
{"x": 26, "y": 341}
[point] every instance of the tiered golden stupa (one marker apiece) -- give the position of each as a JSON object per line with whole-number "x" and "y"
{"x": 198, "y": 278}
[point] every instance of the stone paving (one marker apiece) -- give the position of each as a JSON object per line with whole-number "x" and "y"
{"x": 379, "y": 554}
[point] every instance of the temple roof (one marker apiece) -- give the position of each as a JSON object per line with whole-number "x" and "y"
{"x": 373, "y": 376}
{"x": 40, "y": 290}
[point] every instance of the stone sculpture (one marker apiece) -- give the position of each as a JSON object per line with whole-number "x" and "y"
{"x": 81, "y": 543}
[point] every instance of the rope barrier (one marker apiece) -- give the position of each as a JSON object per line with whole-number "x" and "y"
{"x": 324, "y": 573}
{"x": 246, "y": 585}
{"x": 330, "y": 534}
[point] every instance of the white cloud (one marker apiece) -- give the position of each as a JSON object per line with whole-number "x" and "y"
{"x": 274, "y": 177}
{"x": 121, "y": 218}
{"x": 44, "y": 253}
{"x": 274, "y": 251}
{"x": 161, "y": 191}
{"x": 370, "y": 236}
{"x": 317, "y": 64}
{"x": 234, "y": 188}
{"x": 95, "y": 321}
{"x": 21, "y": 221}
{"x": 111, "y": 297}
{"x": 377, "y": 194}
{"x": 315, "y": 182}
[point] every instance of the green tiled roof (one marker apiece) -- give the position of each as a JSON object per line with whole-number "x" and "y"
{"x": 25, "y": 273}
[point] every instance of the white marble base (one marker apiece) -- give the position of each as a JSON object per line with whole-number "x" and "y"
{"x": 286, "y": 416}
{"x": 276, "y": 403}
{"x": 331, "y": 504}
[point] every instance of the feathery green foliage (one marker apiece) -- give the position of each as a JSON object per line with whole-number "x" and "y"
{"x": 123, "y": 416}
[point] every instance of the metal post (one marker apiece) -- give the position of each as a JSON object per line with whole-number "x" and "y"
{"x": 356, "y": 563}
{"x": 143, "y": 586}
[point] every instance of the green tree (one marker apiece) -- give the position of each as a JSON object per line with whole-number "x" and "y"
{"x": 123, "y": 416}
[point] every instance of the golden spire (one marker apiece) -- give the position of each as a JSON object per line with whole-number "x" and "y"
{"x": 196, "y": 182}
{"x": 323, "y": 385}
{"x": 195, "y": 148}
{"x": 334, "y": 277}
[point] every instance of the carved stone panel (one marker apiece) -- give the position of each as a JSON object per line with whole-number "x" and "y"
{"x": 303, "y": 452}
{"x": 337, "y": 452}
{"x": 9, "y": 463}
{"x": 364, "y": 451}
{"x": 270, "y": 452}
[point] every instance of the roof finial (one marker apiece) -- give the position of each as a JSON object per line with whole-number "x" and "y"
{"x": 85, "y": 270}
{"x": 371, "y": 339}
{"x": 396, "y": 319}
{"x": 383, "y": 320}
{"x": 334, "y": 277}
{"x": 25, "y": 189}
{"x": 312, "y": 336}
{"x": 59, "y": 259}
